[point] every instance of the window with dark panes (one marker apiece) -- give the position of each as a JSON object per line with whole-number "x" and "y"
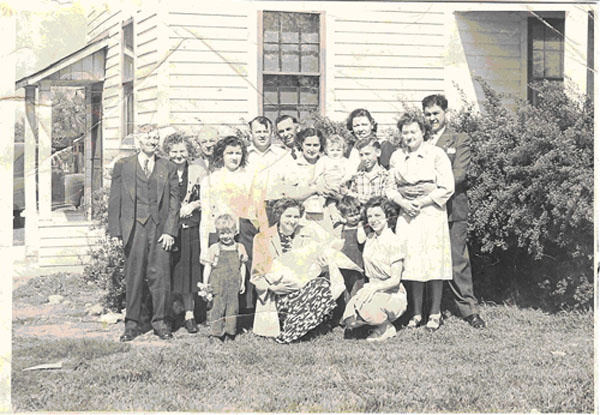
{"x": 546, "y": 51}
{"x": 291, "y": 64}
{"x": 127, "y": 77}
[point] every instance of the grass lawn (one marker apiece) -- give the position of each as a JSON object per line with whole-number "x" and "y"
{"x": 526, "y": 360}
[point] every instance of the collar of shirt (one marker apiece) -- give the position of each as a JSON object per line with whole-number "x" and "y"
{"x": 421, "y": 152}
{"x": 142, "y": 159}
{"x": 385, "y": 234}
{"x": 253, "y": 150}
{"x": 436, "y": 137}
{"x": 377, "y": 171}
{"x": 301, "y": 160}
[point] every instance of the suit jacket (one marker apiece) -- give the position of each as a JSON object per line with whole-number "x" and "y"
{"x": 122, "y": 199}
{"x": 458, "y": 148}
{"x": 387, "y": 149}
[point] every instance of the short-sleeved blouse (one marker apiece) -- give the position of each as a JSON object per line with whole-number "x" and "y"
{"x": 380, "y": 252}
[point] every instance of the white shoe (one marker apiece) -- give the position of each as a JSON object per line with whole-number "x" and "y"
{"x": 382, "y": 332}
{"x": 434, "y": 322}
{"x": 414, "y": 322}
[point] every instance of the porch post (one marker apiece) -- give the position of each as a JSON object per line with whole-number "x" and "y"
{"x": 8, "y": 34}
{"x": 576, "y": 35}
{"x": 87, "y": 146}
{"x": 44, "y": 118}
{"x": 7, "y": 126}
{"x": 32, "y": 241}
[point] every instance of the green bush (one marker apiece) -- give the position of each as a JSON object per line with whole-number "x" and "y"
{"x": 531, "y": 197}
{"x": 107, "y": 260}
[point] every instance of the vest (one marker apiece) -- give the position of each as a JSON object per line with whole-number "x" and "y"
{"x": 146, "y": 201}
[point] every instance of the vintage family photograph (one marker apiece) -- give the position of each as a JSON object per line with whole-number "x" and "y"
{"x": 300, "y": 206}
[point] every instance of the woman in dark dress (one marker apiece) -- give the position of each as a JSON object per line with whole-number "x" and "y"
{"x": 186, "y": 271}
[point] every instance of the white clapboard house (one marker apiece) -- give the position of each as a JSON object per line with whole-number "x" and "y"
{"x": 189, "y": 63}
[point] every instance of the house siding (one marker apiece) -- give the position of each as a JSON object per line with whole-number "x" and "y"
{"x": 494, "y": 45}
{"x": 148, "y": 58}
{"x": 208, "y": 66}
{"x": 383, "y": 56}
{"x": 66, "y": 245}
{"x": 107, "y": 21}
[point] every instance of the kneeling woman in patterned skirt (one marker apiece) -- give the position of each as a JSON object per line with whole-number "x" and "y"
{"x": 287, "y": 310}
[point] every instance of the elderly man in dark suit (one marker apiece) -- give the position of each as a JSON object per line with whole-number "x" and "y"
{"x": 143, "y": 211}
{"x": 457, "y": 147}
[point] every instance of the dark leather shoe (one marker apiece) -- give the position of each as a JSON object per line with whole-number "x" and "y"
{"x": 129, "y": 335}
{"x": 191, "y": 326}
{"x": 163, "y": 334}
{"x": 475, "y": 321}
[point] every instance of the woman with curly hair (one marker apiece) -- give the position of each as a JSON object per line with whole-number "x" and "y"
{"x": 226, "y": 190}
{"x": 186, "y": 272}
{"x": 363, "y": 126}
{"x": 422, "y": 222}
{"x": 383, "y": 299}
{"x": 295, "y": 293}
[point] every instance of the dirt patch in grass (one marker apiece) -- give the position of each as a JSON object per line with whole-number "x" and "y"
{"x": 33, "y": 316}
{"x": 524, "y": 361}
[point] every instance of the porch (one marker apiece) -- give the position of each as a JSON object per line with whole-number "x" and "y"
{"x": 62, "y": 170}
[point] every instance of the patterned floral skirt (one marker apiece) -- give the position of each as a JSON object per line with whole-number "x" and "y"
{"x": 304, "y": 309}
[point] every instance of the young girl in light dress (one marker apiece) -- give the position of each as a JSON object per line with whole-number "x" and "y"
{"x": 225, "y": 271}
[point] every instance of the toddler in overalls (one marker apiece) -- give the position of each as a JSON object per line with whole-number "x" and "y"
{"x": 225, "y": 273}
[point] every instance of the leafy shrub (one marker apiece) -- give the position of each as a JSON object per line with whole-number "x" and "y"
{"x": 107, "y": 260}
{"x": 531, "y": 195}
{"x": 328, "y": 127}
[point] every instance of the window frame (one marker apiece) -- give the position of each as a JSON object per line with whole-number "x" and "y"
{"x": 126, "y": 83}
{"x": 322, "y": 64}
{"x": 552, "y": 20}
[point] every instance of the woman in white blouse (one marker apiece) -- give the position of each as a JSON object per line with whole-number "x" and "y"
{"x": 422, "y": 222}
{"x": 225, "y": 190}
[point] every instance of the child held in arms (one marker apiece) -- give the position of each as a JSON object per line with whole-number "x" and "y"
{"x": 332, "y": 172}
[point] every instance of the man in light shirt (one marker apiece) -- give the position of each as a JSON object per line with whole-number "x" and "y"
{"x": 261, "y": 153}
{"x": 286, "y": 128}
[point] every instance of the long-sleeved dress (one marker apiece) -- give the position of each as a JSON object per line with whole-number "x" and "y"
{"x": 186, "y": 272}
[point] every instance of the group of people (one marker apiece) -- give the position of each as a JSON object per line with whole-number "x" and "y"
{"x": 298, "y": 230}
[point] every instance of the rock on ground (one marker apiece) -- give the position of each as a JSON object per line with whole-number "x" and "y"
{"x": 55, "y": 299}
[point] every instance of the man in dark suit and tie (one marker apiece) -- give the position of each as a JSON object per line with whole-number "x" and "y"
{"x": 143, "y": 211}
{"x": 457, "y": 147}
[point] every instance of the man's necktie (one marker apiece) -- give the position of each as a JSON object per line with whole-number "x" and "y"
{"x": 146, "y": 168}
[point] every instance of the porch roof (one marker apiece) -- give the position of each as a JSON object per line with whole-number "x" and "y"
{"x": 82, "y": 67}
